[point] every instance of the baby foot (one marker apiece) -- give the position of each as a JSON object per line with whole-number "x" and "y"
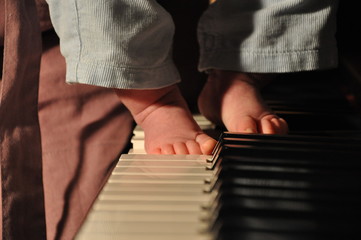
{"x": 168, "y": 125}
{"x": 233, "y": 99}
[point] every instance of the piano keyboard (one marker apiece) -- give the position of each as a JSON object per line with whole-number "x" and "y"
{"x": 160, "y": 197}
{"x": 253, "y": 187}
{"x": 303, "y": 186}
{"x": 152, "y": 198}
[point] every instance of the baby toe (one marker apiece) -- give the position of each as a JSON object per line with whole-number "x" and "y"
{"x": 180, "y": 148}
{"x": 272, "y": 124}
{"x": 167, "y": 149}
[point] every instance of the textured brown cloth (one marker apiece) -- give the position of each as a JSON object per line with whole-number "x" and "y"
{"x": 59, "y": 142}
{"x": 20, "y": 151}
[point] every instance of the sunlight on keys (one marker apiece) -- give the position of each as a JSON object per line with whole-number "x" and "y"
{"x": 149, "y": 197}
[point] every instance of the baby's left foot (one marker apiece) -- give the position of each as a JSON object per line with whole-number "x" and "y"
{"x": 169, "y": 127}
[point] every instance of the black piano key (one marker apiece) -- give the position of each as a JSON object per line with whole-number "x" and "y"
{"x": 287, "y": 222}
{"x": 241, "y": 217}
{"x": 291, "y": 152}
{"x": 236, "y": 233}
{"x": 315, "y": 180}
{"x": 290, "y": 138}
{"x": 230, "y": 170}
{"x": 237, "y": 204}
{"x": 309, "y": 163}
{"x": 285, "y": 165}
{"x": 320, "y": 122}
{"x": 292, "y": 144}
{"x": 306, "y": 195}
{"x": 342, "y": 108}
{"x": 337, "y": 186}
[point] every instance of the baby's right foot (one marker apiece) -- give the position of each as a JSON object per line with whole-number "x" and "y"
{"x": 168, "y": 125}
{"x": 233, "y": 99}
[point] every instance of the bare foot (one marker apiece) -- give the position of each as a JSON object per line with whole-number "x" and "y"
{"x": 168, "y": 125}
{"x": 233, "y": 99}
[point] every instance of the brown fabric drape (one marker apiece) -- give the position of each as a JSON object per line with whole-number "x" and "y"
{"x": 59, "y": 142}
{"x": 20, "y": 149}
{"x": 83, "y": 129}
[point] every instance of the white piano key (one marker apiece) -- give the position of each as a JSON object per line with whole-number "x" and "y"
{"x": 159, "y": 157}
{"x": 161, "y": 164}
{"x": 166, "y": 178}
{"x": 151, "y": 201}
{"x": 114, "y": 206}
{"x": 177, "y": 186}
{"x": 158, "y": 197}
{"x": 142, "y": 236}
{"x": 146, "y": 227}
{"x": 181, "y": 165}
{"x": 145, "y": 216}
{"x": 146, "y": 188}
{"x": 137, "y": 142}
{"x": 137, "y": 151}
{"x": 162, "y": 172}
{"x": 153, "y": 191}
{"x": 198, "y": 182}
{"x": 187, "y": 177}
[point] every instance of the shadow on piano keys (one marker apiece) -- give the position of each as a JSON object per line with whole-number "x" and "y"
{"x": 306, "y": 185}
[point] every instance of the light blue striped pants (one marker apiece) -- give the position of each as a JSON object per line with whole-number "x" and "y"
{"x": 128, "y": 43}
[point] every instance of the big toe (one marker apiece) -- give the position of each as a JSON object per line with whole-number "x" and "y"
{"x": 272, "y": 124}
{"x": 244, "y": 124}
{"x": 206, "y": 143}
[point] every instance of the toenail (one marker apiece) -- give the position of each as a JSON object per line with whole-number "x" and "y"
{"x": 196, "y": 138}
{"x": 249, "y": 130}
